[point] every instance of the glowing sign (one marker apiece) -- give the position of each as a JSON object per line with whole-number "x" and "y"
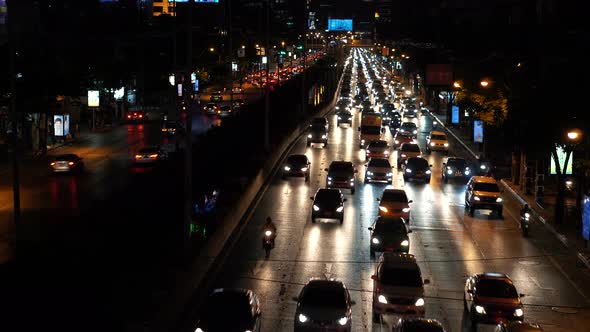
{"x": 339, "y": 24}
{"x": 561, "y": 154}
{"x": 93, "y": 98}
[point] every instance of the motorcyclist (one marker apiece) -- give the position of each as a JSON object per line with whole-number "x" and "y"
{"x": 484, "y": 166}
{"x": 270, "y": 226}
{"x": 525, "y": 209}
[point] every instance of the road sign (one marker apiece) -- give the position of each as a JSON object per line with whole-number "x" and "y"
{"x": 478, "y": 131}
{"x": 586, "y": 219}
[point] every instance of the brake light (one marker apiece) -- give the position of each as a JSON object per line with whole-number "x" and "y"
{"x": 141, "y": 116}
{"x": 137, "y": 156}
{"x": 154, "y": 156}
{"x": 128, "y": 116}
{"x": 71, "y": 163}
{"x": 52, "y": 163}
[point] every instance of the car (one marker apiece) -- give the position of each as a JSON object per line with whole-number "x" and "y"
{"x": 357, "y": 100}
{"x": 400, "y": 138}
{"x": 395, "y": 203}
{"x": 491, "y": 297}
{"x": 378, "y": 170}
{"x": 483, "y": 193}
{"x": 417, "y": 168}
{"x": 344, "y": 117}
{"x": 437, "y": 141}
{"x": 398, "y": 286}
{"x": 418, "y": 324}
{"x": 455, "y": 168}
{"x": 317, "y": 134}
{"x": 406, "y": 151}
{"x": 230, "y": 309}
{"x": 328, "y": 204}
{"x": 342, "y": 105}
{"x": 389, "y": 234}
{"x": 297, "y": 165}
{"x": 517, "y": 326}
{"x": 66, "y": 163}
{"x": 395, "y": 122}
{"x": 211, "y": 108}
{"x": 323, "y": 305}
{"x": 216, "y": 96}
{"x": 171, "y": 128}
{"x": 320, "y": 121}
{"x": 411, "y": 112}
{"x": 237, "y": 89}
{"x": 136, "y": 116}
{"x": 341, "y": 175}
{"x": 377, "y": 149}
{"x": 225, "y": 111}
{"x": 409, "y": 128}
{"x": 238, "y": 103}
{"x": 150, "y": 155}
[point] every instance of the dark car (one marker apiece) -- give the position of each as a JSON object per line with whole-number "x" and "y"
{"x": 341, "y": 175}
{"x": 409, "y": 128}
{"x": 455, "y": 168}
{"x": 516, "y": 326}
{"x": 491, "y": 297}
{"x": 66, "y": 163}
{"x": 411, "y": 112}
{"x": 297, "y": 165}
{"x": 323, "y": 305}
{"x": 395, "y": 122}
{"x": 225, "y": 111}
{"x": 320, "y": 121}
{"x": 329, "y": 204}
{"x": 417, "y": 168}
{"x": 418, "y": 324}
{"x": 342, "y": 105}
{"x": 230, "y": 310}
{"x": 317, "y": 134}
{"x": 238, "y": 103}
{"x": 171, "y": 128}
{"x": 136, "y": 116}
{"x": 211, "y": 108}
{"x": 344, "y": 117}
{"x": 216, "y": 96}
{"x": 150, "y": 155}
{"x": 389, "y": 234}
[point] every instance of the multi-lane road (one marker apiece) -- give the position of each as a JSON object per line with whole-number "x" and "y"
{"x": 448, "y": 244}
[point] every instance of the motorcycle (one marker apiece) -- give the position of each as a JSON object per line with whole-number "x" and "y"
{"x": 524, "y": 223}
{"x": 484, "y": 169}
{"x": 268, "y": 242}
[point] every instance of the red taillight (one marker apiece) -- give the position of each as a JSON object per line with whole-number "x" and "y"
{"x": 128, "y": 116}
{"x": 137, "y": 156}
{"x": 141, "y": 116}
{"x": 153, "y": 156}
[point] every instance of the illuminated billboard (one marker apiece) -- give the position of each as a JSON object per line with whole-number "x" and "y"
{"x": 561, "y": 154}
{"x": 339, "y": 24}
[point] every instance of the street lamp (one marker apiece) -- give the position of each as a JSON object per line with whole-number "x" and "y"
{"x": 484, "y": 83}
{"x": 457, "y": 85}
{"x": 574, "y": 135}
{"x": 211, "y": 49}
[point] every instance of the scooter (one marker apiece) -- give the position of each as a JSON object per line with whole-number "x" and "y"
{"x": 524, "y": 223}
{"x": 268, "y": 242}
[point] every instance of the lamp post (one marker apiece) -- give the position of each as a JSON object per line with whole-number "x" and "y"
{"x": 572, "y": 137}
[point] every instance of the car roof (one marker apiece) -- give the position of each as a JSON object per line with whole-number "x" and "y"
{"x": 341, "y": 163}
{"x": 493, "y": 276}
{"x": 389, "y": 220}
{"x": 398, "y": 259}
{"x": 417, "y": 160}
{"x": 421, "y": 321}
{"x": 486, "y": 179}
{"x": 517, "y": 326}
{"x": 438, "y": 132}
{"x": 324, "y": 283}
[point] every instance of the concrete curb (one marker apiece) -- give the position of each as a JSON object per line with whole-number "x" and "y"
{"x": 581, "y": 257}
{"x": 218, "y": 248}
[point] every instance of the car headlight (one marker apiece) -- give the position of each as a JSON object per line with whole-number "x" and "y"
{"x": 340, "y": 209}
{"x": 415, "y": 132}
{"x": 309, "y": 136}
{"x": 467, "y": 172}
{"x": 369, "y": 173}
{"x": 396, "y": 141}
{"x": 302, "y": 318}
{"x": 406, "y": 210}
{"x": 383, "y": 208}
{"x": 342, "y": 321}
{"x": 323, "y": 136}
{"x": 386, "y": 152}
{"x": 475, "y": 198}
{"x": 446, "y": 145}
{"x": 449, "y": 171}
{"x": 199, "y": 329}
{"x": 316, "y": 208}
{"x": 368, "y": 151}
{"x": 304, "y": 169}
{"x": 405, "y": 243}
{"x": 518, "y": 312}
{"x": 390, "y": 174}
{"x": 337, "y": 107}
{"x": 362, "y": 141}
{"x": 382, "y": 299}
{"x": 351, "y": 179}
{"x": 404, "y": 155}
{"x": 482, "y": 166}
{"x": 432, "y": 144}
{"x": 287, "y": 168}
{"x": 428, "y": 172}
{"x": 480, "y": 310}
{"x": 408, "y": 170}
{"x": 419, "y": 302}
{"x": 499, "y": 200}
{"x": 339, "y": 118}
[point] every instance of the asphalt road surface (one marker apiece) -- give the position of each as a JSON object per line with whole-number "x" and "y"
{"x": 448, "y": 245}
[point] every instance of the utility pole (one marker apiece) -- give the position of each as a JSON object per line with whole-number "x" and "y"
{"x": 267, "y": 95}
{"x": 303, "y": 97}
{"x": 188, "y": 156}
{"x": 231, "y": 59}
{"x": 14, "y": 114}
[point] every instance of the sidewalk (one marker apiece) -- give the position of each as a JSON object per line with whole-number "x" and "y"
{"x": 568, "y": 232}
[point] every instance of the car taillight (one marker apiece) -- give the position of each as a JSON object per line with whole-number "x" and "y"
{"x": 128, "y": 116}
{"x": 141, "y": 116}
{"x": 52, "y": 163}
{"x": 71, "y": 163}
{"x": 163, "y": 129}
{"x": 137, "y": 156}
{"x": 154, "y": 156}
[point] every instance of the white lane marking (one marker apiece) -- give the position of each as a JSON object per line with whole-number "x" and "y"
{"x": 578, "y": 289}
{"x": 328, "y": 270}
{"x": 536, "y": 282}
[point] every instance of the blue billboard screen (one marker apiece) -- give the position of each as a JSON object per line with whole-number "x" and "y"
{"x": 339, "y": 24}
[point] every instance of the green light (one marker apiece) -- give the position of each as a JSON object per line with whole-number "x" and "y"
{"x": 299, "y": 47}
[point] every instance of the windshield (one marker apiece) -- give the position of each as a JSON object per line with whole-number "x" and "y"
{"x": 439, "y": 137}
{"x": 483, "y": 186}
{"x": 418, "y": 163}
{"x": 458, "y": 163}
{"x": 328, "y": 195}
{"x": 379, "y": 163}
{"x": 390, "y": 226}
{"x": 378, "y": 144}
{"x": 496, "y": 288}
{"x": 394, "y": 196}
{"x": 318, "y": 127}
{"x": 371, "y": 130}
{"x": 409, "y": 125}
{"x": 218, "y": 305}
{"x": 324, "y": 297}
{"x": 297, "y": 159}
{"x": 410, "y": 148}
{"x": 400, "y": 277}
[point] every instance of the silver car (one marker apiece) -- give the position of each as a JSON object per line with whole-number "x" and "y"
{"x": 67, "y": 163}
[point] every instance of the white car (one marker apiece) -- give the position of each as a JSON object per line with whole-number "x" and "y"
{"x": 437, "y": 141}
{"x": 150, "y": 155}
